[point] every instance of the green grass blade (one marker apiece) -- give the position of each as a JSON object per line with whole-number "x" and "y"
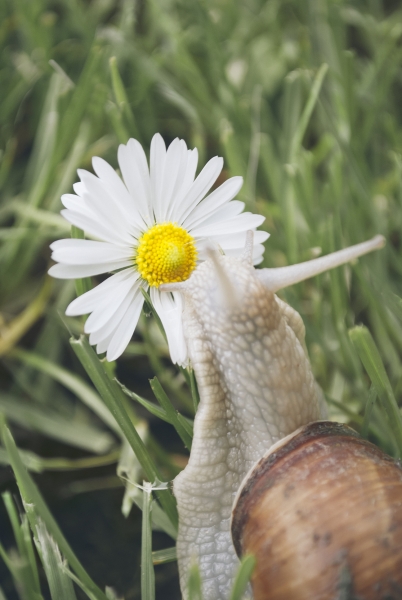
{"x": 37, "y": 464}
{"x": 26, "y": 532}
{"x": 368, "y": 411}
{"x": 111, "y": 595}
{"x": 172, "y": 413}
{"x": 121, "y": 97}
{"x": 147, "y": 567}
{"x": 371, "y": 359}
{"x": 116, "y": 121}
{"x": 39, "y": 218}
{"x": 242, "y": 577}
{"x": 36, "y": 508}
{"x": 15, "y": 522}
{"x": 194, "y": 582}
{"x": 130, "y": 471}
{"x": 186, "y": 424}
{"x": 89, "y": 462}
{"x": 60, "y": 584}
{"x": 78, "y": 102}
{"x": 114, "y": 400}
{"x": 24, "y": 321}
{"x": 24, "y": 571}
{"x": 307, "y": 112}
{"x": 45, "y": 140}
{"x": 7, "y": 561}
{"x": 87, "y": 591}
{"x": 2, "y": 596}
{"x": 72, "y": 382}
{"x": 161, "y": 557}
{"x": 194, "y": 389}
{"x": 160, "y": 520}
{"x": 155, "y": 410}
{"x": 31, "y": 461}
{"x": 110, "y": 393}
{"x": 53, "y": 425}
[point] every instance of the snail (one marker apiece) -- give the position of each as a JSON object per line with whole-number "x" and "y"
{"x": 256, "y": 387}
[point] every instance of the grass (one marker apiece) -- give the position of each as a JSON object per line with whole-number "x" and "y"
{"x": 303, "y": 100}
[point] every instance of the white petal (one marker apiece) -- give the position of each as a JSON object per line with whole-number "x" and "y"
{"x": 238, "y": 240}
{"x": 118, "y": 191}
{"x": 125, "y": 330}
{"x": 78, "y": 271}
{"x": 184, "y": 183}
{"x": 90, "y": 300}
{"x": 170, "y": 311}
{"x": 107, "y": 318}
{"x": 157, "y": 170}
{"x": 73, "y": 202}
{"x": 142, "y": 164}
{"x": 101, "y": 203}
{"x": 109, "y": 328}
{"x": 103, "y": 344}
{"x": 136, "y": 181}
{"x": 258, "y": 251}
{"x": 79, "y": 188}
{"x": 107, "y": 331}
{"x": 225, "y": 212}
{"x": 188, "y": 179}
{"x": 111, "y": 304}
{"x": 191, "y": 167}
{"x": 105, "y": 172}
{"x": 81, "y": 252}
{"x": 223, "y": 194}
{"x": 175, "y": 166}
{"x": 237, "y": 224}
{"x": 89, "y": 223}
{"x": 77, "y": 204}
{"x": 200, "y": 187}
{"x": 97, "y": 214}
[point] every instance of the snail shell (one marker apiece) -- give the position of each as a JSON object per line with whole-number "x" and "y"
{"x": 322, "y": 514}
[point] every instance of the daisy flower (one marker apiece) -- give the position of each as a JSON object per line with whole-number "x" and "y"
{"x": 148, "y": 228}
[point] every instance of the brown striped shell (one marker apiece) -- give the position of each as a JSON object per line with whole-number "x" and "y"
{"x": 322, "y": 513}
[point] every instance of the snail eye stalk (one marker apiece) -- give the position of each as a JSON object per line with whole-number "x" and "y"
{"x": 279, "y": 278}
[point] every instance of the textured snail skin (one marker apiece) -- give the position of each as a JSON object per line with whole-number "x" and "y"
{"x": 255, "y": 385}
{"x": 322, "y": 513}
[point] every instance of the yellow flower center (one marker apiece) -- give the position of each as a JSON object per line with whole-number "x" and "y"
{"x": 166, "y": 253}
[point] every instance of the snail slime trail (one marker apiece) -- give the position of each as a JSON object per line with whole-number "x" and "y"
{"x": 256, "y": 387}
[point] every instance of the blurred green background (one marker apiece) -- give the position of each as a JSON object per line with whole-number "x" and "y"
{"x": 303, "y": 99}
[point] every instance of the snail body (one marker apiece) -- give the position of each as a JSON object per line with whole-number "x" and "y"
{"x": 256, "y": 387}
{"x": 255, "y": 382}
{"x": 322, "y": 542}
